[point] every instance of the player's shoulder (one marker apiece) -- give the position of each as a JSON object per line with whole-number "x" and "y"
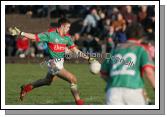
{"x": 52, "y": 30}
{"x": 142, "y": 46}
{"x": 136, "y": 47}
{"x": 133, "y": 42}
{"x": 68, "y": 36}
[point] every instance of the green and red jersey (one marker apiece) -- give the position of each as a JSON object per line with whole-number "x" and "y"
{"x": 126, "y": 65}
{"x": 56, "y": 43}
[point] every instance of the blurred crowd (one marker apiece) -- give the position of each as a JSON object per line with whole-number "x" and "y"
{"x": 102, "y": 27}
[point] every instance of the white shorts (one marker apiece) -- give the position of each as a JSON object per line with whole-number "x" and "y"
{"x": 125, "y": 96}
{"x": 55, "y": 65}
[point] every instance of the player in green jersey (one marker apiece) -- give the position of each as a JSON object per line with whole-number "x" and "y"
{"x": 124, "y": 70}
{"x": 57, "y": 40}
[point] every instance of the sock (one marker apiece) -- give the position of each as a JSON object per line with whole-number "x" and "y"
{"x": 28, "y": 88}
{"x": 41, "y": 82}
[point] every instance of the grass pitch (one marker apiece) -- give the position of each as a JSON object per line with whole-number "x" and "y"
{"x": 91, "y": 87}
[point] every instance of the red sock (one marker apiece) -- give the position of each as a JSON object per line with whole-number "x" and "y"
{"x": 80, "y": 102}
{"x": 27, "y": 88}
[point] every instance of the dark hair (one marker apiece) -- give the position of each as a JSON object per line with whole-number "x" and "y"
{"x": 63, "y": 21}
{"x": 135, "y": 31}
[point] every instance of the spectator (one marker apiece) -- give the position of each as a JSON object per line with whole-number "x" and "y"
{"x": 129, "y": 15}
{"x": 10, "y": 45}
{"x": 142, "y": 13}
{"x": 146, "y": 21}
{"x": 100, "y": 30}
{"x": 90, "y": 22}
{"x": 23, "y": 48}
{"x": 95, "y": 43}
{"x": 42, "y": 11}
{"x": 120, "y": 23}
{"x": 119, "y": 28}
{"x": 42, "y": 49}
{"x": 80, "y": 10}
{"x": 107, "y": 23}
{"x": 77, "y": 40}
{"x": 87, "y": 44}
{"x": 110, "y": 39}
{"x": 114, "y": 14}
{"x": 91, "y": 44}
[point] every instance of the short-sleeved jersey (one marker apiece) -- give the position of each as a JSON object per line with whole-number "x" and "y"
{"x": 56, "y": 43}
{"x": 125, "y": 66}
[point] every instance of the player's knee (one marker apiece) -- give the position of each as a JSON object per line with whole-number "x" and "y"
{"x": 48, "y": 82}
{"x": 73, "y": 86}
{"x": 73, "y": 79}
{"x": 48, "y": 79}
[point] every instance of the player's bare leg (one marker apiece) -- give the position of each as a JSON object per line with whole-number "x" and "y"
{"x": 66, "y": 75}
{"x": 41, "y": 82}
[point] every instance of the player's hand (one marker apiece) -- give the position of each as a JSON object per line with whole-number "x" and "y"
{"x": 14, "y": 31}
{"x": 90, "y": 60}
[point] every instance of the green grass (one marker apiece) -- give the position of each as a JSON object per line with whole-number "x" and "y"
{"x": 91, "y": 87}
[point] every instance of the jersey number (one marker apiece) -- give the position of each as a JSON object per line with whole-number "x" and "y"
{"x": 125, "y": 67}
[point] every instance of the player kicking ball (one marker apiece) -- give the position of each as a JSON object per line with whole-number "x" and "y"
{"x": 57, "y": 41}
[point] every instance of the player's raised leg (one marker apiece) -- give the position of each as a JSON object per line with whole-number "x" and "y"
{"x": 66, "y": 75}
{"x": 41, "y": 82}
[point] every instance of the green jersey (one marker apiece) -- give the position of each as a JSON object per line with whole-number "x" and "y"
{"x": 125, "y": 66}
{"x": 56, "y": 43}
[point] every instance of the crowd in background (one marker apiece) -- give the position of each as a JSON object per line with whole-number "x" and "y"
{"x": 101, "y": 26}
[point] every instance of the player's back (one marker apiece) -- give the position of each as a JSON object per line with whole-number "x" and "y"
{"x": 127, "y": 61}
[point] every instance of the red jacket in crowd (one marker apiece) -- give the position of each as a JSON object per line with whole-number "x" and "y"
{"x": 22, "y": 43}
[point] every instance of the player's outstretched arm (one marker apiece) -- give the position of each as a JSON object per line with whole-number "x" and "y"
{"x": 16, "y": 31}
{"x": 83, "y": 55}
{"x": 78, "y": 52}
{"x": 28, "y": 35}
